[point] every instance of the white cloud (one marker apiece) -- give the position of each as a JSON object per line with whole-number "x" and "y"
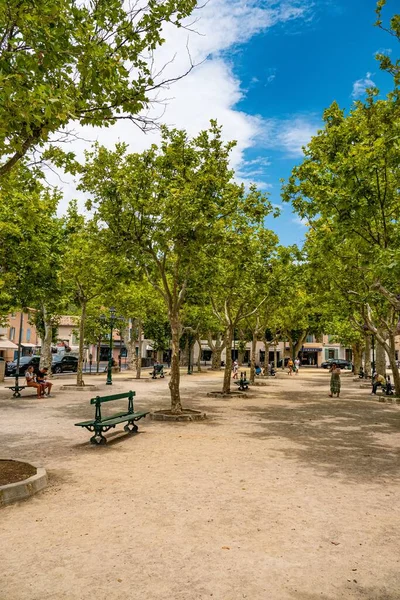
{"x": 299, "y": 221}
{"x": 210, "y": 90}
{"x": 361, "y": 85}
{"x": 289, "y": 135}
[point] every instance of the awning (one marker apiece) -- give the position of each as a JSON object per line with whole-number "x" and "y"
{"x": 311, "y": 349}
{"x": 30, "y": 345}
{"x": 149, "y": 347}
{"x": 8, "y": 345}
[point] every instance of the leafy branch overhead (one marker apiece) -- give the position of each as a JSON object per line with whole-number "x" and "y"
{"x": 85, "y": 62}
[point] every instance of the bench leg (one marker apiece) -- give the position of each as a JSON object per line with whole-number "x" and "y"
{"x": 134, "y": 429}
{"x": 98, "y": 438}
{"x": 16, "y": 395}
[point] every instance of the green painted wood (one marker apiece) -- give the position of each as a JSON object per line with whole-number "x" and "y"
{"x": 101, "y": 399}
{"x": 136, "y": 415}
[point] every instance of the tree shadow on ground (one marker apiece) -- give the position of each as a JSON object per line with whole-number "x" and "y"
{"x": 360, "y": 593}
{"x": 339, "y": 438}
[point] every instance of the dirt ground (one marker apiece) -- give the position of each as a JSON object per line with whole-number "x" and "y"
{"x": 285, "y": 494}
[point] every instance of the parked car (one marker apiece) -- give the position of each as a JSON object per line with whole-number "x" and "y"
{"x": 60, "y": 364}
{"x": 24, "y": 363}
{"x": 340, "y": 362}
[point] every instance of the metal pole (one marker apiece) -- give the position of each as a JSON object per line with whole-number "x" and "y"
{"x": 189, "y": 371}
{"x": 21, "y": 322}
{"x": 109, "y": 371}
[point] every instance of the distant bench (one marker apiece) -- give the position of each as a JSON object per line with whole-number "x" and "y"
{"x": 157, "y": 370}
{"x": 243, "y": 382}
{"x": 100, "y": 424}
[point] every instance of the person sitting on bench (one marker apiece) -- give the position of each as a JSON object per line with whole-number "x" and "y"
{"x": 31, "y": 382}
{"x": 377, "y": 381}
{"x": 42, "y": 379}
{"x": 258, "y": 370}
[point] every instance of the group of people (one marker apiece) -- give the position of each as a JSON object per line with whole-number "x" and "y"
{"x": 293, "y": 366}
{"x": 257, "y": 369}
{"x": 38, "y": 381}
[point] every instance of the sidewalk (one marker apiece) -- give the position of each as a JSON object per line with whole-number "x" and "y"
{"x": 284, "y": 494}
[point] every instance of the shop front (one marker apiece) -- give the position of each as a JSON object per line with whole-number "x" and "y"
{"x": 309, "y": 356}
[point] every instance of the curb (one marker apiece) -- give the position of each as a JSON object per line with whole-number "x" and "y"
{"x": 13, "y": 492}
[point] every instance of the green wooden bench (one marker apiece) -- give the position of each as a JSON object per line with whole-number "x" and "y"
{"x": 16, "y": 389}
{"x": 100, "y": 424}
{"x": 243, "y": 383}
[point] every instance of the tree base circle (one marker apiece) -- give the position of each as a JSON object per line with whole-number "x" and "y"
{"x": 231, "y": 394}
{"x": 186, "y": 415}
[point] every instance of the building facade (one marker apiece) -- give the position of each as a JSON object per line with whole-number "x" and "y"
{"x": 19, "y": 323}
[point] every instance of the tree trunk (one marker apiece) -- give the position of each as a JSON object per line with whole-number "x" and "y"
{"x": 45, "y": 355}
{"x": 98, "y": 355}
{"x": 176, "y": 406}
{"x": 357, "y": 357}
{"x": 79, "y": 375}
{"x": 275, "y": 355}
{"x": 226, "y": 388}
{"x": 253, "y": 356}
{"x": 199, "y": 356}
{"x": 160, "y": 356}
{"x": 380, "y": 359}
{"x": 299, "y": 344}
{"x": 241, "y": 348}
{"x": 216, "y": 350}
{"x": 184, "y": 355}
{"x": 130, "y": 342}
{"x": 390, "y": 349}
{"x": 367, "y": 360}
{"x": 266, "y": 356}
{"x": 139, "y": 353}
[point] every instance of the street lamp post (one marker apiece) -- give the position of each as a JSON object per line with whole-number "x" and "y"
{"x": 109, "y": 370}
{"x": 17, "y": 387}
{"x": 189, "y": 371}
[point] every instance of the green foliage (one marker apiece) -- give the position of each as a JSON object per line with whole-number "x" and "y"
{"x": 61, "y": 60}
{"x": 31, "y": 240}
{"x": 386, "y": 64}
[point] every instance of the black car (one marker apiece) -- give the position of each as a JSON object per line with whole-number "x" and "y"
{"x": 340, "y": 362}
{"x": 24, "y": 363}
{"x": 60, "y": 364}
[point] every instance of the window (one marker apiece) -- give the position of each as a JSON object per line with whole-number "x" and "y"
{"x": 331, "y": 353}
{"x": 310, "y": 339}
{"x": 12, "y": 333}
{"x": 28, "y": 335}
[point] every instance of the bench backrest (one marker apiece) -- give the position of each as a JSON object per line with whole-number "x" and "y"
{"x": 158, "y": 368}
{"x": 101, "y": 399}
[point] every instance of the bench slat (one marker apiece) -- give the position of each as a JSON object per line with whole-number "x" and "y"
{"x": 134, "y": 415}
{"x": 102, "y": 399}
{"x": 84, "y": 423}
{"x": 113, "y": 419}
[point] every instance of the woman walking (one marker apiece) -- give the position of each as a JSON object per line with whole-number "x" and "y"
{"x": 335, "y": 380}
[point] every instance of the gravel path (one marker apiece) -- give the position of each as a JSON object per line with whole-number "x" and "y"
{"x": 284, "y": 494}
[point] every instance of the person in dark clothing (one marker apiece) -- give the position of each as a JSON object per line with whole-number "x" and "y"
{"x": 42, "y": 379}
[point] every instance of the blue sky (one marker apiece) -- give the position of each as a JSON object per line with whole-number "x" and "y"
{"x": 292, "y": 72}
{"x": 265, "y": 70}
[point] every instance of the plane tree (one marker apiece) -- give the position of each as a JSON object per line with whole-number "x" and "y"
{"x": 168, "y": 208}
